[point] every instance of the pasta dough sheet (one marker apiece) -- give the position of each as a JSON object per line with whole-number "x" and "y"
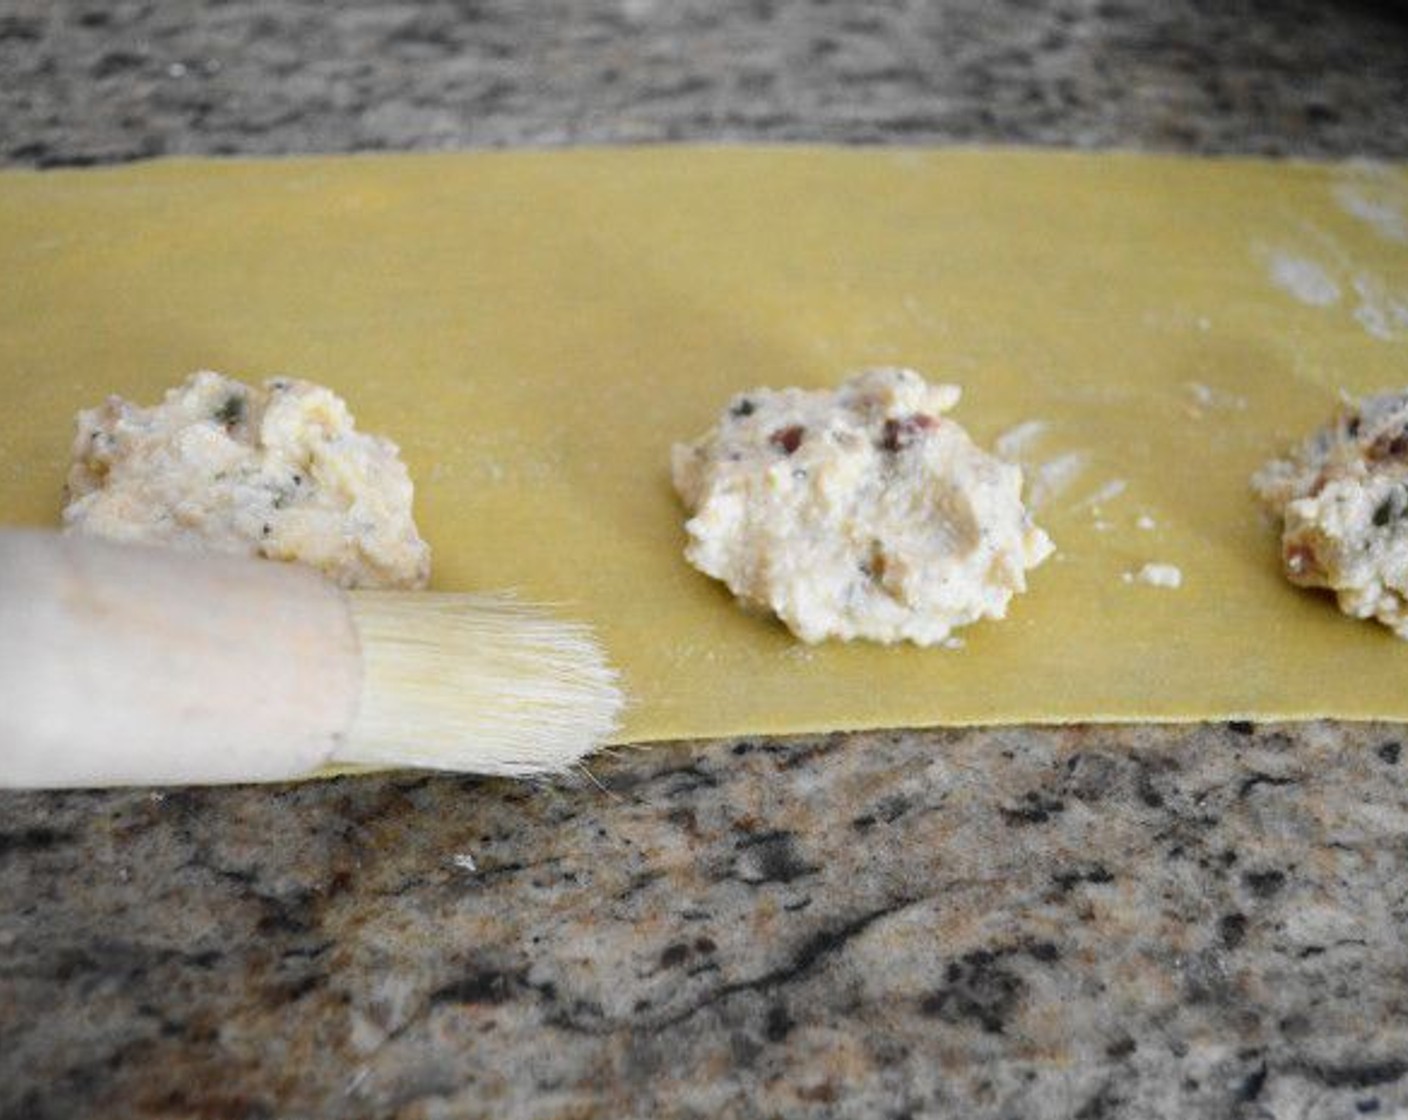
{"x": 536, "y": 329}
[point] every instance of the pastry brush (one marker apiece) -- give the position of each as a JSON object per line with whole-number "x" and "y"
{"x": 130, "y": 665}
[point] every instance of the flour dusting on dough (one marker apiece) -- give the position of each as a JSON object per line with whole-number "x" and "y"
{"x": 1372, "y": 201}
{"x": 1055, "y": 477}
{"x": 1051, "y": 478}
{"x": 1206, "y": 397}
{"x": 1301, "y": 278}
{"x": 1106, "y": 493}
{"x": 1015, "y": 443}
{"x": 1379, "y": 309}
{"x": 1381, "y": 312}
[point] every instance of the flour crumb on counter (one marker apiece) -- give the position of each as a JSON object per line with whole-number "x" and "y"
{"x": 278, "y": 471}
{"x": 1341, "y": 498}
{"x": 862, "y": 512}
{"x": 1157, "y": 575}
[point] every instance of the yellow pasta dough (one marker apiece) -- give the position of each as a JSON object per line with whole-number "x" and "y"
{"x": 537, "y": 330}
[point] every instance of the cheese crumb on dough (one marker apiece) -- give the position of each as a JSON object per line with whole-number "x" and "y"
{"x": 858, "y": 513}
{"x": 1342, "y": 499}
{"x": 1157, "y": 575}
{"x": 277, "y": 471}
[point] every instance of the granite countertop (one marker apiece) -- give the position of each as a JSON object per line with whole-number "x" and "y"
{"x": 1026, "y": 922}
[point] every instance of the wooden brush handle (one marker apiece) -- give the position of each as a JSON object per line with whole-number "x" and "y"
{"x": 125, "y": 665}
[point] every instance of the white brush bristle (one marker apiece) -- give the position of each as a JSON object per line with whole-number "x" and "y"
{"x": 478, "y": 684}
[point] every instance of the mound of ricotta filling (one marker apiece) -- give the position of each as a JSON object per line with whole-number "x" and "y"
{"x": 278, "y": 471}
{"x": 1342, "y": 501}
{"x": 862, "y": 512}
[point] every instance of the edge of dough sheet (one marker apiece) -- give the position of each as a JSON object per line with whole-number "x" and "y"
{"x": 536, "y": 328}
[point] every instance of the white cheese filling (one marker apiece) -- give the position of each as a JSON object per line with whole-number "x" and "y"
{"x": 277, "y": 471}
{"x": 1342, "y": 500}
{"x": 859, "y": 513}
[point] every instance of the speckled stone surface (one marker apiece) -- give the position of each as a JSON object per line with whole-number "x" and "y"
{"x": 1087, "y": 922}
{"x": 97, "y": 80}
